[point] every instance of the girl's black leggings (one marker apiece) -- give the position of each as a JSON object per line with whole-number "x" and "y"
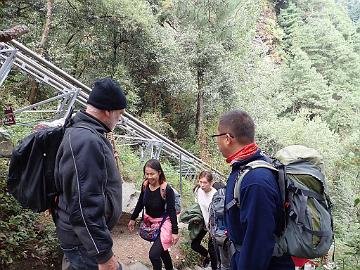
{"x": 157, "y": 253}
{"x": 196, "y": 246}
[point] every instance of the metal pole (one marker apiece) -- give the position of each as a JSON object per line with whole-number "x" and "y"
{"x": 180, "y": 174}
{"x": 57, "y": 78}
{"x": 6, "y": 66}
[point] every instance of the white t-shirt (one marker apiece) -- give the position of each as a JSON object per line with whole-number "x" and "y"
{"x": 204, "y": 199}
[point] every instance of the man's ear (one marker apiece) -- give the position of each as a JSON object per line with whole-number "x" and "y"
{"x": 229, "y": 139}
{"x": 107, "y": 113}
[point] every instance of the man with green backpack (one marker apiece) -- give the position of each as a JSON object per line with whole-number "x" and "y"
{"x": 274, "y": 209}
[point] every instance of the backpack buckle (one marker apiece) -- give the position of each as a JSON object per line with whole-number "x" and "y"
{"x": 292, "y": 215}
{"x": 295, "y": 190}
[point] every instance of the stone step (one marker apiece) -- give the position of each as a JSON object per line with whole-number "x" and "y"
{"x": 137, "y": 266}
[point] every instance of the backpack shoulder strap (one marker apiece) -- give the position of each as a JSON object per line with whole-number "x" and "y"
{"x": 163, "y": 188}
{"x": 145, "y": 184}
{"x": 143, "y": 189}
{"x": 248, "y": 167}
{"x": 261, "y": 164}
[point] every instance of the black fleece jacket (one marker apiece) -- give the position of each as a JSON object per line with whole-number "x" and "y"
{"x": 90, "y": 188}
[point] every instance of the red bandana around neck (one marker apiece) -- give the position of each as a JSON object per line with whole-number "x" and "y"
{"x": 243, "y": 153}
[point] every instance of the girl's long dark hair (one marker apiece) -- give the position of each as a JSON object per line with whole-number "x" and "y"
{"x": 155, "y": 165}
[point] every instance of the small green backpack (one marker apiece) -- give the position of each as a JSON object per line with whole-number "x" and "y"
{"x": 308, "y": 229}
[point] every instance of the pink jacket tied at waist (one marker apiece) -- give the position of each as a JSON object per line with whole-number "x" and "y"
{"x": 165, "y": 233}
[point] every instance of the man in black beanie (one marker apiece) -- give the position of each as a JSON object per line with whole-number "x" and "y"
{"x": 89, "y": 182}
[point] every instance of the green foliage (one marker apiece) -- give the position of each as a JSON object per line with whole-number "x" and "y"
{"x": 158, "y": 123}
{"x": 348, "y": 252}
{"x": 130, "y": 165}
{"x": 323, "y": 63}
{"x": 17, "y": 133}
{"x": 294, "y": 69}
{"x": 190, "y": 256}
{"x": 172, "y": 176}
{"x": 18, "y": 93}
{"x": 322, "y": 59}
{"x": 303, "y": 87}
{"x": 23, "y": 234}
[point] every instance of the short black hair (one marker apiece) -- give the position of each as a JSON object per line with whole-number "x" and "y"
{"x": 238, "y": 124}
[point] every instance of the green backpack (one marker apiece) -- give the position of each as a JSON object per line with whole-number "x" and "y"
{"x": 308, "y": 228}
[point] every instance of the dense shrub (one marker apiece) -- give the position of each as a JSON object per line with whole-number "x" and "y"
{"x": 24, "y": 236}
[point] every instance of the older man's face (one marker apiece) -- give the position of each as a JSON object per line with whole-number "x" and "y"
{"x": 114, "y": 118}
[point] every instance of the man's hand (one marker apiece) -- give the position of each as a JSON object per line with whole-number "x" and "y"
{"x": 131, "y": 225}
{"x": 175, "y": 238}
{"x": 111, "y": 264}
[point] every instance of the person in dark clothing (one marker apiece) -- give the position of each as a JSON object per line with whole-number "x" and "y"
{"x": 254, "y": 225}
{"x": 156, "y": 206}
{"x": 90, "y": 185}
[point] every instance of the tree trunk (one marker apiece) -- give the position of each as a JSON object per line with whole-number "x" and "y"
{"x": 34, "y": 85}
{"x": 34, "y": 89}
{"x": 115, "y": 47}
{"x": 200, "y": 132}
{"x": 45, "y": 34}
{"x": 200, "y": 103}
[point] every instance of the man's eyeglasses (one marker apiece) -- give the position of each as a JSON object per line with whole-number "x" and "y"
{"x": 221, "y": 134}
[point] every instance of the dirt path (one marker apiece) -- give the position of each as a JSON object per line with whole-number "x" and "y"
{"x": 130, "y": 248}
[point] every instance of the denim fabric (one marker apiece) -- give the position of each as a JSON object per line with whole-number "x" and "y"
{"x": 79, "y": 259}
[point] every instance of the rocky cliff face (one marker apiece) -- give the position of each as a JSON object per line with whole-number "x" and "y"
{"x": 6, "y": 145}
{"x": 129, "y": 197}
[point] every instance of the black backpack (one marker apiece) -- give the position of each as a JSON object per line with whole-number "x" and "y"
{"x": 31, "y": 177}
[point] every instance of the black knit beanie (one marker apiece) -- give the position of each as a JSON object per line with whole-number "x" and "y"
{"x": 107, "y": 94}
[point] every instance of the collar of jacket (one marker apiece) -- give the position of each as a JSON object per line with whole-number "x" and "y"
{"x": 83, "y": 116}
{"x": 243, "y": 153}
{"x": 256, "y": 156}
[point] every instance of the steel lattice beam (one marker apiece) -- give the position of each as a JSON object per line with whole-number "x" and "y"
{"x": 70, "y": 90}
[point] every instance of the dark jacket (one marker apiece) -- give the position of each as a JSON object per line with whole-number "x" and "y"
{"x": 193, "y": 216}
{"x": 254, "y": 225}
{"x": 90, "y": 184}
